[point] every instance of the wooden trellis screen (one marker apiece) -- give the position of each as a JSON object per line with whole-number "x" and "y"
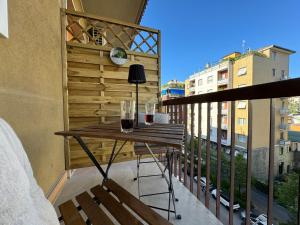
{"x": 94, "y": 86}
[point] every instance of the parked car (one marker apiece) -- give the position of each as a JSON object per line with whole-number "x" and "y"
{"x": 203, "y": 183}
{"x": 253, "y": 216}
{"x": 224, "y": 199}
{"x": 262, "y": 219}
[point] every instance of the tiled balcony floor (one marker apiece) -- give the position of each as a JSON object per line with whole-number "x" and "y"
{"x": 191, "y": 210}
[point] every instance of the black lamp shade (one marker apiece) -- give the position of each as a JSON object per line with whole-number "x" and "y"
{"x": 136, "y": 74}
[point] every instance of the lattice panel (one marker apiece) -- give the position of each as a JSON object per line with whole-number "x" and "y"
{"x": 111, "y": 34}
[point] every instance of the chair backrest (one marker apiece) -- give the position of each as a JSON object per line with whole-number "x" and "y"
{"x": 21, "y": 199}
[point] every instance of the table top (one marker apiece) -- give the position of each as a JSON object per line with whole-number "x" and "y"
{"x": 163, "y": 134}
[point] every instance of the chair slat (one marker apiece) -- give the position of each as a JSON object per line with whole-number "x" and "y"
{"x": 92, "y": 210}
{"x": 122, "y": 215}
{"x": 144, "y": 211}
{"x": 70, "y": 214}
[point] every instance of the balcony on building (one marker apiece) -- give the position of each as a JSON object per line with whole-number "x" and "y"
{"x": 284, "y": 142}
{"x": 223, "y": 78}
{"x": 284, "y": 111}
{"x": 224, "y": 109}
{"x": 283, "y": 127}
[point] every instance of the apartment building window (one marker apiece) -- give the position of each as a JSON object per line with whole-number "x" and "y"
{"x": 241, "y": 138}
{"x": 280, "y": 168}
{"x": 209, "y": 79}
{"x": 241, "y": 104}
{"x": 242, "y": 71}
{"x": 200, "y": 82}
{"x": 241, "y": 121}
{"x": 274, "y": 54}
{"x": 281, "y": 151}
{"x": 282, "y": 74}
{"x": 273, "y": 72}
{"x": 288, "y": 168}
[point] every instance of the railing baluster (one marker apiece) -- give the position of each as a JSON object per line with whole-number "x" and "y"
{"x": 249, "y": 164}
{"x": 218, "y": 159}
{"x": 185, "y": 145}
{"x": 175, "y": 155}
{"x": 192, "y": 149}
{"x": 298, "y": 219}
{"x": 271, "y": 161}
{"x": 232, "y": 166}
{"x": 175, "y": 164}
{"x": 168, "y": 112}
{"x": 199, "y": 150}
{"x": 180, "y": 152}
{"x": 172, "y": 113}
{"x": 207, "y": 193}
{"x": 176, "y": 113}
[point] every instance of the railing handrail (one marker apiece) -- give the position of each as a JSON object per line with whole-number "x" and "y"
{"x": 277, "y": 89}
{"x": 110, "y": 20}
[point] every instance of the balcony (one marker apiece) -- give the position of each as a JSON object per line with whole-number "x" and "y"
{"x": 88, "y": 100}
{"x": 223, "y": 81}
{"x": 283, "y": 127}
{"x": 284, "y": 111}
{"x": 283, "y": 142}
{"x": 224, "y": 126}
{"x": 224, "y": 111}
{"x": 123, "y": 173}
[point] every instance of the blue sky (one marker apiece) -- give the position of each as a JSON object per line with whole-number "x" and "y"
{"x": 195, "y": 32}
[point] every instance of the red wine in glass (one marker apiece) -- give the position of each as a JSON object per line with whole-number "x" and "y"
{"x": 149, "y": 119}
{"x": 127, "y": 125}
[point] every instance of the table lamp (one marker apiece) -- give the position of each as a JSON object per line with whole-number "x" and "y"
{"x": 136, "y": 76}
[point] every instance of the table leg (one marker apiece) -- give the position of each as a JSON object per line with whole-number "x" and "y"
{"x": 90, "y": 155}
{"x": 94, "y": 160}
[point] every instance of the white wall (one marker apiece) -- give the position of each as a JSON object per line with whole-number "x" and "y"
{"x": 3, "y": 19}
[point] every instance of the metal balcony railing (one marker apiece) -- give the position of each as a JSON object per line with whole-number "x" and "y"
{"x": 284, "y": 111}
{"x": 283, "y": 127}
{"x": 179, "y": 108}
{"x": 223, "y": 81}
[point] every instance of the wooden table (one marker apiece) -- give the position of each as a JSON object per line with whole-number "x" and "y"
{"x": 169, "y": 135}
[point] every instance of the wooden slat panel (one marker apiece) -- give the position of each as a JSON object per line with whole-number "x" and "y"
{"x": 92, "y": 210}
{"x": 95, "y": 89}
{"x": 70, "y": 214}
{"x": 122, "y": 215}
{"x": 136, "y": 205}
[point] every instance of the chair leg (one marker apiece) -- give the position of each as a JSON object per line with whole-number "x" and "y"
{"x": 138, "y": 176}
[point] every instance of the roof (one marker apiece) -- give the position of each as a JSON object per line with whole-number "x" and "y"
{"x": 125, "y": 10}
{"x": 294, "y": 136}
{"x": 277, "y": 47}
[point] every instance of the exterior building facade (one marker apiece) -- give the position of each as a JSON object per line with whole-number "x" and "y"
{"x": 173, "y": 89}
{"x": 237, "y": 70}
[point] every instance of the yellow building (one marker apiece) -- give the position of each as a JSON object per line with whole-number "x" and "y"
{"x": 265, "y": 65}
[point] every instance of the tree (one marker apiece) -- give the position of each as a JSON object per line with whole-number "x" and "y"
{"x": 287, "y": 193}
{"x": 240, "y": 173}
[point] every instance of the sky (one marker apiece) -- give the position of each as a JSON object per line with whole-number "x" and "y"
{"x": 196, "y": 32}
